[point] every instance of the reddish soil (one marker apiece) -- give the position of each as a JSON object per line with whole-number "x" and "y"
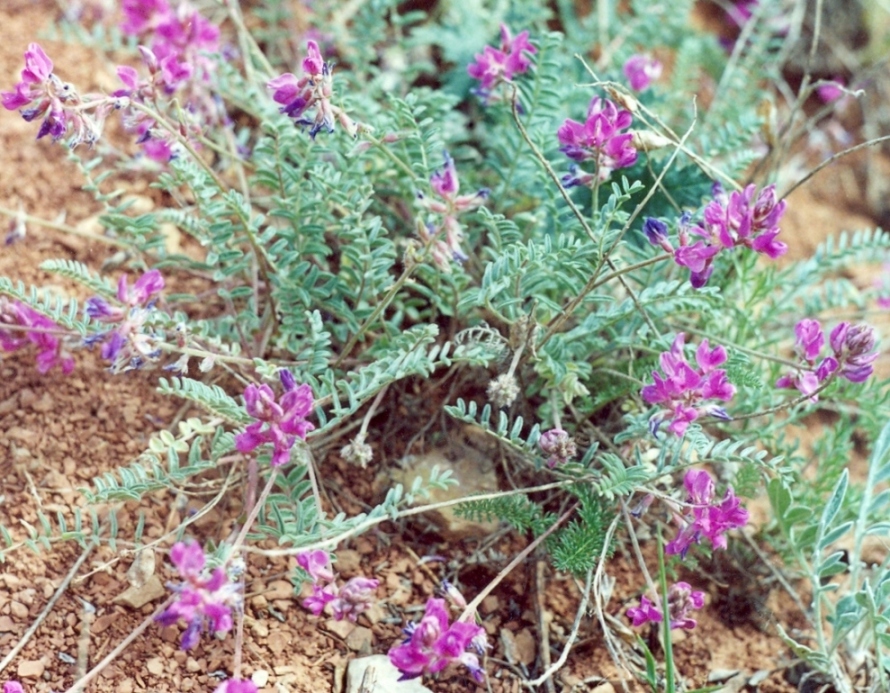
{"x": 57, "y": 433}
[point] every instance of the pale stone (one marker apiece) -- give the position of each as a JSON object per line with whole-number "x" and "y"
{"x": 348, "y": 561}
{"x": 31, "y": 669}
{"x": 260, "y": 678}
{"x": 18, "y": 610}
{"x": 379, "y": 675}
{"x": 155, "y": 666}
{"x": 525, "y": 646}
{"x": 279, "y": 589}
{"x": 137, "y": 597}
{"x": 339, "y": 628}
{"x": 360, "y": 640}
{"x": 474, "y": 473}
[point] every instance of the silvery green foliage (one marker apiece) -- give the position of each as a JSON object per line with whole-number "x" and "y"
{"x": 312, "y": 249}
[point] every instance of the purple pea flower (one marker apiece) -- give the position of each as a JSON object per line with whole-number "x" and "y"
{"x": 682, "y": 390}
{"x": 285, "y": 421}
{"x": 681, "y": 600}
{"x": 853, "y": 355}
{"x": 355, "y": 597}
{"x": 703, "y": 517}
{"x": 494, "y": 65}
{"x": 317, "y": 564}
{"x": 236, "y": 686}
{"x": 600, "y": 138}
{"x": 445, "y": 185}
{"x": 641, "y": 70}
{"x": 43, "y": 93}
{"x": 13, "y": 687}
{"x": 204, "y": 601}
{"x": 36, "y": 329}
{"x": 433, "y": 644}
{"x": 315, "y": 89}
{"x": 127, "y": 344}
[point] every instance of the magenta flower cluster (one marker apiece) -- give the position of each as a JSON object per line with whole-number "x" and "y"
{"x": 277, "y": 423}
{"x": 449, "y": 204}
{"x": 601, "y": 138}
{"x": 683, "y": 391}
{"x": 41, "y": 95}
{"x": 314, "y": 90}
{"x": 13, "y": 687}
{"x": 641, "y": 70}
{"x": 852, "y": 358}
{"x": 703, "y": 517}
{"x": 179, "y": 39}
{"x": 21, "y": 325}
{"x": 357, "y": 595}
{"x": 204, "y": 601}
{"x": 496, "y": 65}
{"x": 682, "y": 599}
{"x": 433, "y": 644}
{"x": 730, "y": 221}
{"x": 127, "y": 345}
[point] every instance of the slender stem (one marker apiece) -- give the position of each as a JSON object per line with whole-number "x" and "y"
{"x": 81, "y": 683}
{"x": 593, "y": 283}
{"x": 470, "y": 610}
{"x": 20, "y": 645}
{"x": 378, "y": 310}
{"x": 254, "y": 511}
{"x": 670, "y": 684}
{"x": 789, "y": 404}
{"x": 577, "y": 212}
{"x": 71, "y": 230}
{"x": 831, "y": 160}
{"x": 374, "y": 521}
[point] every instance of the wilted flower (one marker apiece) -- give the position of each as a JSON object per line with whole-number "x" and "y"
{"x": 445, "y": 185}
{"x": 353, "y": 598}
{"x": 601, "y": 138}
{"x": 285, "y": 421}
{"x": 641, "y": 70}
{"x": 203, "y": 600}
{"x": 503, "y": 390}
{"x": 317, "y": 564}
{"x": 431, "y": 645}
{"x": 703, "y": 517}
{"x": 681, "y": 600}
{"x": 682, "y": 390}
{"x": 559, "y": 445}
{"x": 348, "y": 601}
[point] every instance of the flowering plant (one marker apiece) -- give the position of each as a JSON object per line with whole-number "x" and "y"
{"x": 449, "y": 268}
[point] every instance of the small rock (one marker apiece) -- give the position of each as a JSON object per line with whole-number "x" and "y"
{"x": 6, "y": 625}
{"x": 525, "y": 646}
{"x": 126, "y": 686}
{"x": 44, "y": 404}
{"x": 360, "y": 640}
{"x": 758, "y": 677}
{"x": 142, "y": 568}
{"x": 490, "y": 604}
{"x": 604, "y": 687}
{"x": 260, "y": 678}
{"x": 375, "y": 614}
{"x": 277, "y": 642}
{"x": 155, "y": 666}
{"x": 31, "y": 669}
{"x": 339, "y": 628}
{"x": 279, "y": 589}
{"x": 103, "y": 623}
{"x": 259, "y": 629}
{"x": 18, "y": 610}
{"x": 378, "y": 675}
{"x": 348, "y": 561}
{"x": 721, "y": 675}
{"x": 192, "y": 665}
{"x": 137, "y": 597}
